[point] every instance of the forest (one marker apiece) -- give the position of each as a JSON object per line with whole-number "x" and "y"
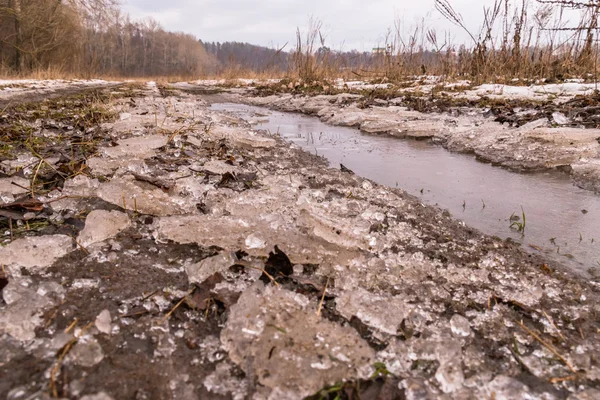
{"x": 92, "y": 38}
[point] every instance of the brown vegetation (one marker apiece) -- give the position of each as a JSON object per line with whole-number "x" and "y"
{"x": 525, "y": 39}
{"x": 91, "y": 38}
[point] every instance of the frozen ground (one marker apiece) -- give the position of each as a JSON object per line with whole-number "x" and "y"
{"x": 552, "y": 126}
{"x": 28, "y": 89}
{"x": 187, "y": 256}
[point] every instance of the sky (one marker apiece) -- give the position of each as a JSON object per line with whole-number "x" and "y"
{"x": 347, "y": 24}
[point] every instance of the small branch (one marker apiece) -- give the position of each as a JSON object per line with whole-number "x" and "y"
{"x": 177, "y": 305}
{"x": 323, "y": 298}
{"x": 548, "y": 346}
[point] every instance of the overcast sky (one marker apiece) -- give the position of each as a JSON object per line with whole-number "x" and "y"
{"x": 348, "y": 24}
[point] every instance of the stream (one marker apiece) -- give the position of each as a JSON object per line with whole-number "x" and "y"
{"x": 562, "y": 220}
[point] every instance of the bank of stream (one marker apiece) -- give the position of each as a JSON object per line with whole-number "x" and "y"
{"x": 561, "y": 220}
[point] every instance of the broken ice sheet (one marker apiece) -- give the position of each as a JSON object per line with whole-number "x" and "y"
{"x": 199, "y": 272}
{"x": 382, "y": 313}
{"x": 25, "y": 306}
{"x": 277, "y": 335}
{"x": 101, "y": 225}
{"x": 34, "y": 253}
{"x": 103, "y": 321}
{"x": 222, "y": 382}
{"x": 86, "y": 353}
{"x": 144, "y": 198}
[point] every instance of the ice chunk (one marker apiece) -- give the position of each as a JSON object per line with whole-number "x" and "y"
{"x": 25, "y": 305}
{"x": 219, "y": 167}
{"x": 560, "y": 118}
{"x": 277, "y": 335}
{"x": 383, "y": 313}
{"x": 506, "y": 388}
{"x": 144, "y": 198}
{"x": 199, "y": 272}
{"x": 450, "y": 377}
{"x": 35, "y": 253}
{"x": 460, "y": 325}
{"x": 223, "y": 382}
{"x": 101, "y": 225}
{"x": 255, "y": 241}
{"x": 86, "y": 353}
{"x": 97, "y": 396}
{"x": 588, "y": 394}
{"x": 7, "y": 186}
{"x": 103, "y": 322}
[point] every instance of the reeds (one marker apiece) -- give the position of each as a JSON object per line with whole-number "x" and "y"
{"x": 517, "y": 42}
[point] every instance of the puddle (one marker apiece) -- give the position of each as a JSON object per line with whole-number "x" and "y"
{"x": 561, "y": 219}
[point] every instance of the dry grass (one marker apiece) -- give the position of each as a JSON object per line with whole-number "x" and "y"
{"x": 519, "y": 42}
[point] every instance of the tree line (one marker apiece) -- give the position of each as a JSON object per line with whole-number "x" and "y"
{"x": 92, "y": 37}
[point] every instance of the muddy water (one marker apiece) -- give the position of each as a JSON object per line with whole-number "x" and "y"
{"x": 562, "y": 220}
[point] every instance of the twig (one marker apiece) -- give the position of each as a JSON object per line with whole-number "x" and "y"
{"x": 35, "y": 153}
{"x": 177, "y": 306}
{"x": 72, "y": 325}
{"x": 567, "y": 378}
{"x": 67, "y": 197}
{"x": 150, "y": 295}
{"x": 263, "y": 271}
{"x": 323, "y": 298}
{"x": 555, "y": 327}
{"x": 56, "y": 368}
{"x": 19, "y": 186}
{"x": 34, "y": 178}
{"x": 548, "y": 346}
{"x": 86, "y": 251}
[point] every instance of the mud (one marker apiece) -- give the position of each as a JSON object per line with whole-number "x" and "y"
{"x": 285, "y": 279}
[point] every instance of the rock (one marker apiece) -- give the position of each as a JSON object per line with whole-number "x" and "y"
{"x": 103, "y": 321}
{"x": 101, "y": 225}
{"x": 276, "y": 337}
{"x": 199, "y": 272}
{"x": 35, "y": 253}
